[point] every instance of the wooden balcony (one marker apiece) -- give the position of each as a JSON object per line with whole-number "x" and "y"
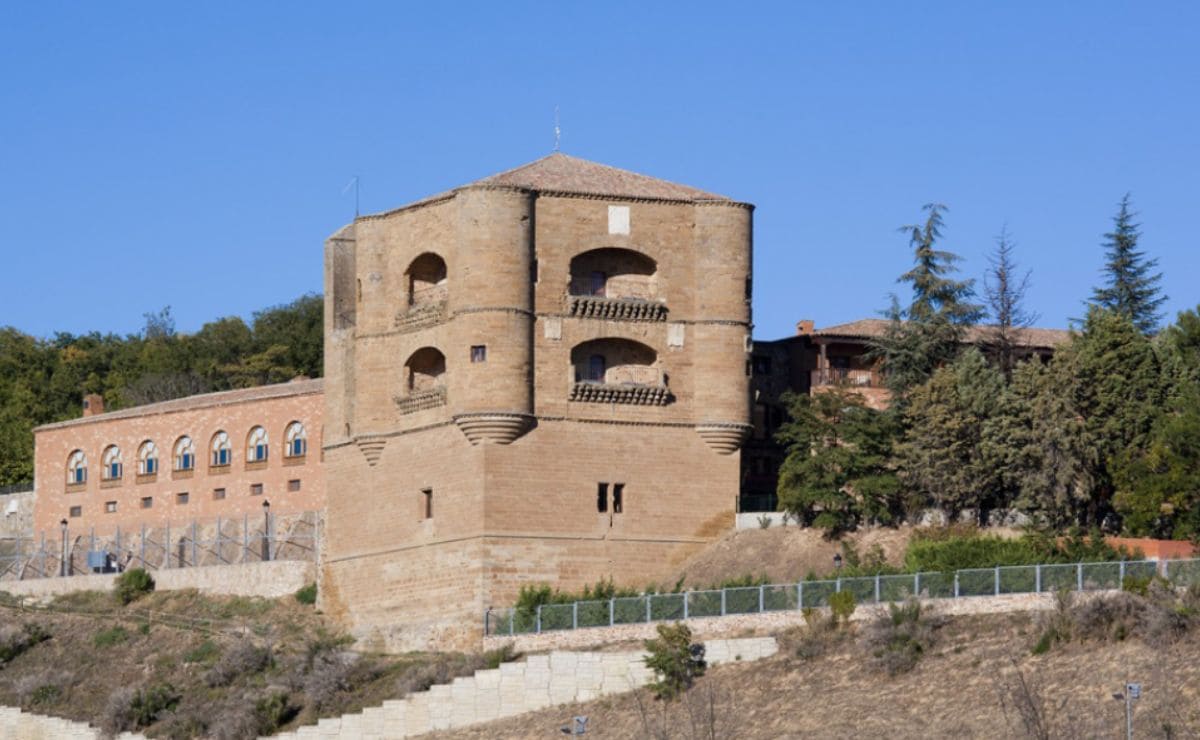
{"x": 848, "y": 377}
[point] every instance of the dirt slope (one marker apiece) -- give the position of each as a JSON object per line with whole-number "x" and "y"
{"x": 964, "y": 689}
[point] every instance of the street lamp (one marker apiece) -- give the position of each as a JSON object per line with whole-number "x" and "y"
{"x": 266, "y": 549}
{"x": 62, "y": 562}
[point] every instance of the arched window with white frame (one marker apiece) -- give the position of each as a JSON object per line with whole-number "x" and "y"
{"x": 256, "y": 445}
{"x": 111, "y": 459}
{"x": 185, "y": 453}
{"x": 148, "y": 458}
{"x": 77, "y": 468}
{"x": 296, "y": 439}
{"x": 222, "y": 452}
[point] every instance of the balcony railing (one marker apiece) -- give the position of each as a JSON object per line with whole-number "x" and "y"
{"x": 429, "y": 294}
{"x": 629, "y": 393}
{"x": 847, "y": 376}
{"x": 617, "y": 309}
{"x": 421, "y": 400}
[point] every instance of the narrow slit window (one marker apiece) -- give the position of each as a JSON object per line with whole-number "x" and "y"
{"x": 618, "y": 496}
{"x": 602, "y": 497}
{"x": 427, "y": 502}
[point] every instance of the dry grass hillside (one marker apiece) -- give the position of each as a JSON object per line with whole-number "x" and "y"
{"x": 980, "y": 679}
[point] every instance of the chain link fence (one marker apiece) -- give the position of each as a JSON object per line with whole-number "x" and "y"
{"x": 221, "y": 541}
{"x": 1015, "y": 579}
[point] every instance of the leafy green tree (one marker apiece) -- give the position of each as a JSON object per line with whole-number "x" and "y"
{"x": 928, "y": 332}
{"x": 951, "y": 453}
{"x": 837, "y": 472}
{"x": 1131, "y": 287}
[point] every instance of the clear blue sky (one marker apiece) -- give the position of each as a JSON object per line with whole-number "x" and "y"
{"x": 194, "y": 154}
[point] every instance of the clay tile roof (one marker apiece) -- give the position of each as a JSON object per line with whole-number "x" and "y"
{"x": 203, "y": 400}
{"x": 875, "y": 328}
{"x": 566, "y": 174}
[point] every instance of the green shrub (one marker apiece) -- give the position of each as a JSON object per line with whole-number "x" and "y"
{"x": 842, "y": 604}
{"x": 307, "y": 594}
{"x": 132, "y": 585}
{"x": 675, "y": 660}
{"x": 899, "y": 638}
{"x": 149, "y": 704}
{"x": 503, "y": 654}
{"x": 45, "y": 694}
{"x": 205, "y": 652}
{"x": 15, "y": 639}
{"x": 958, "y": 549}
{"x": 110, "y": 637}
{"x": 243, "y": 659}
{"x": 273, "y": 711}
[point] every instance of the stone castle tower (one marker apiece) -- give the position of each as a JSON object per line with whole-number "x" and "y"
{"x": 537, "y": 377}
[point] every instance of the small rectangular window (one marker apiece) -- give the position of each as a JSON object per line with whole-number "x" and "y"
{"x": 218, "y": 494}
{"x": 479, "y": 353}
{"x": 256, "y": 489}
{"x": 294, "y": 485}
{"x": 427, "y": 495}
{"x": 76, "y": 511}
{"x": 618, "y": 496}
{"x": 147, "y": 502}
{"x": 181, "y": 498}
{"x": 602, "y": 497}
{"x": 110, "y": 507}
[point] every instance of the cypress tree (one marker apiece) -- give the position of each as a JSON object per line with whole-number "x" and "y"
{"x": 1131, "y": 289}
{"x": 1004, "y": 291}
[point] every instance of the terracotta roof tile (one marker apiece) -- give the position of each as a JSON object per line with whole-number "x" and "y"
{"x": 566, "y": 174}
{"x": 203, "y": 400}
{"x": 875, "y": 328}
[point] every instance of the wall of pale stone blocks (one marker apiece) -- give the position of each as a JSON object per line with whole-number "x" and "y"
{"x": 16, "y": 515}
{"x": 268, "y": 580}
{"x": 107, "y": 505}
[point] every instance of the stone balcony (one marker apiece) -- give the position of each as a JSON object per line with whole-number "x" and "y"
{"x": 625, "y": 393}
{"x": 616, "y": 309}
{"x": 421, "y": 315}
{"x": 421, "y": 400}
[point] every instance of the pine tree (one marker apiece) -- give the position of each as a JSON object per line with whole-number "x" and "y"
{"x": 928, "y": 333}
{"x": 1131, "y": 289}
{"x": 1004, "y": 291}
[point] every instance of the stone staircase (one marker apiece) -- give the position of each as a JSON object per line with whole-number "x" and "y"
{"x": 516, "y": 688}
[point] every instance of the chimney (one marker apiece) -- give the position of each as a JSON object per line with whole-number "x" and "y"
{"x": 93, "y": 404}
{"x": 804, "y": 327}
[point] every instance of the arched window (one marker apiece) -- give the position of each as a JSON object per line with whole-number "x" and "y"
{"x": 612, "y": 272}
{"x": 148, "y": 458}
{"x": 296, "y": 440}
{"x": 76, "y": 468}
{"x": 222, "y": 453}
{"x": 112, "y": 463}
{"x": 185, "y": 454}
{"x": 256, "y": 445}
{"x": 425, "y": 370}
{"x": 426, "y": 280}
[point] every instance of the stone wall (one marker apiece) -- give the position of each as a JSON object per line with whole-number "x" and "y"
{"x": 268, "y": 580}
{"x": 515, "y": 688}
{"x": 16, "y": 515}
{"x": 20, "y": 725}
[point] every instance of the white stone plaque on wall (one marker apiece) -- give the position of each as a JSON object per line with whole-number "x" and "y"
{"x": 674, "y": 335}
{"x": 618, "y": 219}
{"x": 553, "y": 328}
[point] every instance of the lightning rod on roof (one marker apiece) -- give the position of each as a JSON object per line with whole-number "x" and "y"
{"x": 557, "y": 130}
{"x": 354, "y": 182}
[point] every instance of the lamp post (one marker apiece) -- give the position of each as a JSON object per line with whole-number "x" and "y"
{"x": 266, "y": 549}
{"x": 62, "y": 563}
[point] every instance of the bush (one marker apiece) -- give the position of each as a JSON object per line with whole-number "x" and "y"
{"x": 503, "y": 654}
{"x": 307, "y": 594}
{"x": 110, "y": 637}
{"x": 899, "y": 637}
{"x": 243, "y": 659}
{"x": 15, "y": 640}
{"x": 205, "y": 652}
{"x": 132, "y": 709}
{"x": 950, "y": 549}
{"x": 842, "y": 605}
{"x": 675, "y": 660}
{"x": 814, "y": 639}
{"x": 1159, "y": 618}
{"x": 132, "y": 585}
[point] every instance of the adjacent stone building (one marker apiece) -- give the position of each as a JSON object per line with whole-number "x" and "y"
{"x": 190, "y": 459}
{"x": 539, "y": 377}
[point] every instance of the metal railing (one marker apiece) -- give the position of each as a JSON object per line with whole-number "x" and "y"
{"x": 249, "y": 538}
{"x": 880, "y": 589}
{"x": 847, "y": 376}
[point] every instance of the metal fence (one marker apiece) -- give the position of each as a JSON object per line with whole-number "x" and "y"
{"x": 221, "y": 541}
{"x": 1015, "y": 579}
